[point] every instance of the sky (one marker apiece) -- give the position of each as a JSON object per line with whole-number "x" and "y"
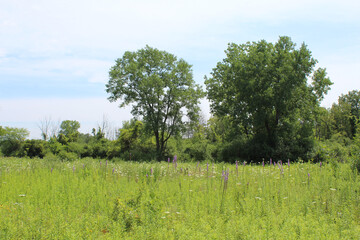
{"x": 55, "y": 55}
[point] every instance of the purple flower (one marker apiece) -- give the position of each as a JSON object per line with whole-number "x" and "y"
{"x": 83, "y": 166}
{"x": 237, "y": 164}
{"x": 168, "y": 160}
{"x": 151, "y": 171}
{"x": 100, "y": 163}
{"x": 175, "y": 158}
{"x": 244, "y": 163}
{"x": 263, "y": 164}
{"x": 288, "y": 162}
{"x": 270, "y": 161}
{"x": 52, "y": 169}
{"x": 320, "y": 164}
{"x": 113, "y": 170}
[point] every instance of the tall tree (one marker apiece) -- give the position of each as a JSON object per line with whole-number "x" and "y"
{"x": 264, "y": 87}
{"x": 352, "y": 99}
{"x": 69, "y": 131}
{"x": 160, "y": 88}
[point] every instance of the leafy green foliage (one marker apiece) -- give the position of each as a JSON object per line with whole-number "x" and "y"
{"x": 263, "y": 88}
{"x": 34, "y": 148}
{"x": 11, "y": 140}
{"x": 69, "y": 131}
{"x": 160, "y": 88}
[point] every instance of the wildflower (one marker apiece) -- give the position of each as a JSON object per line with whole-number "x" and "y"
{"x": 52, "y": 169}
{"x": 320, "y": 164}
{"x": 270, "y": 161}
{"x": 168, "y": 160}
{"x": 73, "y": 168}
{"x": 151, "y": 171}
{"x": 113, "y": 170}
{"x": 263, "y": 164}
{"x": 288, "y": 162}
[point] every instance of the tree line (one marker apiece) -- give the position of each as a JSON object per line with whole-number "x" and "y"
{"x": 264, "y": 99}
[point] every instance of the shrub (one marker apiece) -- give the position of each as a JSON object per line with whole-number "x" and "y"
{"x": 67, "y": 156}
{"x": 34, "y": 148}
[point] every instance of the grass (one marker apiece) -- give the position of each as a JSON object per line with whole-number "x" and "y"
{"x": 93, "y": 199}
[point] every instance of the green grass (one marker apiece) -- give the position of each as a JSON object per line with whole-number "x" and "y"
{"x": 89, "y": 199}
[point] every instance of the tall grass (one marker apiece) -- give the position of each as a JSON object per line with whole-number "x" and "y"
{"x": 89, "y": 199}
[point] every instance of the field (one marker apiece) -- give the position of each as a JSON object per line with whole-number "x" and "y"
{"x": 93, "y": 199}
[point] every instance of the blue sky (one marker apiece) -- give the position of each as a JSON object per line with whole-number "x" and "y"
{"x": 55, "y": 55}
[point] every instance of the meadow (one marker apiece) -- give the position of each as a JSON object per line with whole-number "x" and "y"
{"x": 93, "y": 199}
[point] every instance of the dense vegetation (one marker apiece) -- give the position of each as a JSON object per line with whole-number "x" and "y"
{"x": 97, "y": 199}
{"x": 265, "y": 100}
{"x": 270, "y": 163}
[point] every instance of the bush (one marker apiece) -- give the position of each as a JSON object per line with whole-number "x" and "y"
{"x": 34, "y": 148}
{"x": 67, "y": 156}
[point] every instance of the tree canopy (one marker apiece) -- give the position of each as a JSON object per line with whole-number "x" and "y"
{"x": 265, "y": 88}
{"x": 69, "y": 131}
{"x": 160, "y": 88}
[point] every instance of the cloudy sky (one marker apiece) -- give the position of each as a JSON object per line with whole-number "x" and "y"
{"x": 55, "y": 54}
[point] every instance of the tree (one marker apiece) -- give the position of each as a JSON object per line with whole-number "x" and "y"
{"x": 352, "y": 100}
{"x": 11, "y": 140}
{"x": 69, "y": 131}
{"x": 160, "y": 88}
{"x": 44, "y": 127}
{"x": 340, "y": 115}
{"x": 264, "y": 88}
